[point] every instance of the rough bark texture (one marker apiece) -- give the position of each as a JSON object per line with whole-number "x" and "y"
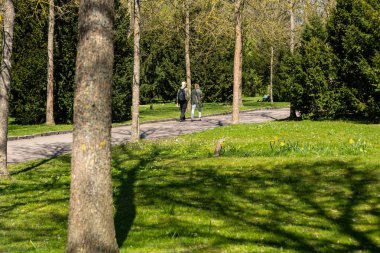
{"x": 5, "y": 82}
{"x": 271, "y": 75}
{"x": 238, "y": 60}
{"x": 135, "y": 128}
{"x": 50, "y": 70}
{"x": 292, "y": 46}
{"x": 91, "y": 224}
{"x": 187, "y": 50}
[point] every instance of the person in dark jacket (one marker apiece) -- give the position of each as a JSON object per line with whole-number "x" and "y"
{"x": 183, "y": 96}
{"x": 196, "y": 101}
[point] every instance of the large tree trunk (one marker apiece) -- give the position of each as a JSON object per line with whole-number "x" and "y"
{"x": 50, "y": 70}
{"x": 91, "y": 224}
{"x": 238, "y": 60}
{"x": 271, "y": 75}
{"x": 292, "y": 46}
{"x": 5, "y": 82}
{"x": 135, "y": 128}
{"x": 187, "y": 49}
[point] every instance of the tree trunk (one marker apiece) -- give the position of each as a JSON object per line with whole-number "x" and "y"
{"x": 271, "y": 75}
{"x": 91, "y": 224}
{"x": 292, "y": 46}
{"x": 50, "y": 77}
{"x": 5, "y": 82}
{"x": 131, "y": 17}
{"x": 292, "y": 26}
{"x": 136, "y": 76}
{"x": 238, "y": 60}
{"x": 187, "y": 49}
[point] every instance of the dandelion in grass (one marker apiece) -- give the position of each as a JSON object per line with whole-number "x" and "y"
{"x": 351, "y": 141}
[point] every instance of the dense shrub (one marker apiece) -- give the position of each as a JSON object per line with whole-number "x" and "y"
{"x": 28, "y": 93}
{"x": 354, "y": 31}
{"x": 320, "y": 94}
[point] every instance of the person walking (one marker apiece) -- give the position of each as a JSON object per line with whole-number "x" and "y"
{"x": 183, "y": 96}
{"x": 196, "y": 101}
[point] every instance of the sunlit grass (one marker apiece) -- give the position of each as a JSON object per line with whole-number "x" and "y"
{"x": 151, "y": 112}
{"x": 175, "y": 196}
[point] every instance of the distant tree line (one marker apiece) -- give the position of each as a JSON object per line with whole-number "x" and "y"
{"x": 162, "y": 63}
{"x": 329, "y": 69}
{"x": 336, "y": 70}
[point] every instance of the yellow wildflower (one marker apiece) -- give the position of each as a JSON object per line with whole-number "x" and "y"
{"x": 282, "y": 144}
{"x": 351, "y": 141}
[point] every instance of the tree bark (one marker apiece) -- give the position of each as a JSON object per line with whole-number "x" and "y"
{"x": 187, "y": 49}
{"x": 91, "y": 224}
{"x": 271, "y": 75}
{"x": 50, "y": 77}
{"x": 292, "y": 46}
{"x": 292, "y": 26}
{"x": 238, "y": 60}
{"x": 135, "y": 136}
{"x": 5, "y": 82}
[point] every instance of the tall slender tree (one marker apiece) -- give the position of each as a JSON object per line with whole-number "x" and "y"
{"x": 271, "y": 75}
{"x": 135, "y": 128}
{"x": 91, "y": 225}
{"x": 292, "y": 5}
{"x": 5, "y": 82}
{"x": 187, "y": 48}
{"x": 238, "y": 60}
{"x": 50, "y": 68}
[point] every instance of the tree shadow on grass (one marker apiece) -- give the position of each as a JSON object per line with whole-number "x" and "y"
{"x": 125, "y": 197}
{"x": 33, "y": 205}
{"x": 300, "y": 206}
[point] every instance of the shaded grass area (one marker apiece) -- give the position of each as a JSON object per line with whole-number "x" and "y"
{"x": 174, "y": 196}
{"x": 159, "y": 111}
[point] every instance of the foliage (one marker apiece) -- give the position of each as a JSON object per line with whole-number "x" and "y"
{"x": 320, "y": 96}
{"x": 123, "y": 67}
{"x": 354, "y": 31}
{"x": 171, "y": 196}
{"x": 66, "y": 35}
{"x": 28, "y": 99}
{"x": 29, "y": 71}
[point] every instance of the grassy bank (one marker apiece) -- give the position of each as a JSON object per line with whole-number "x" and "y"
{"x": 278, "y": 187}
{"x": 151, "y": 112}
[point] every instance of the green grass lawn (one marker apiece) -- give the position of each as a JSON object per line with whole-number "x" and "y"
{"x": 277, "y": 187}
{"x": 160, "y": 111}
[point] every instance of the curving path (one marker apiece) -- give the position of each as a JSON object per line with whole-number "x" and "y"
{"x": 50, "y": 146}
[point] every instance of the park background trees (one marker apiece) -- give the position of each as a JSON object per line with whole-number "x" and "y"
{"x": 211, "y": 25}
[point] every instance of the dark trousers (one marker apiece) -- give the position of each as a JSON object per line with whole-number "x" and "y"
{"x": 182, "y": 107}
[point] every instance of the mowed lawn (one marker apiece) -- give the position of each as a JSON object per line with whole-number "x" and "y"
{"x": 151, "y": 112}
{"x": 277, "y": 187}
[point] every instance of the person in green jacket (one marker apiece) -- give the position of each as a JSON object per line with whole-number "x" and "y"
{"x": 196, "y": 101}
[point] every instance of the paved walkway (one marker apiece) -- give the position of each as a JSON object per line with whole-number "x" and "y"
{"x": 50, "y": 146}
